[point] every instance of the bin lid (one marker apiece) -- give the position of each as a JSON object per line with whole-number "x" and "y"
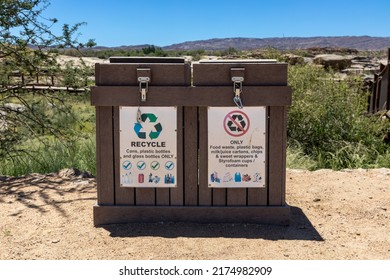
{"x": 241, "y": 61}
{"x": 160, "y": 71}
{"x": 254, "y": 72}
{"x": 148, "y": 60}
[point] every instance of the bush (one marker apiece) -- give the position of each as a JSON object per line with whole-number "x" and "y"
{"x": 328, "y": 121}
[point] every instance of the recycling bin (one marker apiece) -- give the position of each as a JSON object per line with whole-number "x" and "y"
{"x": 191, "y": 143}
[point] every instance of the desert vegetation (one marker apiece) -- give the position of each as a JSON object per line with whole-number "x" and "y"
{"x": 328, "y": 126}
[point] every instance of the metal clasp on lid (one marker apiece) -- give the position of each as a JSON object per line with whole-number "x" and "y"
{"x": 143, "y": 87}
{"x": 237, "y": 89}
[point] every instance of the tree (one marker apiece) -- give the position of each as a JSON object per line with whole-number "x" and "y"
{"x": 26, "y": 38}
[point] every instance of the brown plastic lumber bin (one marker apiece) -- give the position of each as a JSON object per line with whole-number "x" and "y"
{"x": 172, "y": 149}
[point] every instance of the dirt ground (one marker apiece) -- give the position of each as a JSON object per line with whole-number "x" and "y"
{"x": 335, "y": 215}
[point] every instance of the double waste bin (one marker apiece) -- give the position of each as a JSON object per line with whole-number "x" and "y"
{"x": 202, "y": 142}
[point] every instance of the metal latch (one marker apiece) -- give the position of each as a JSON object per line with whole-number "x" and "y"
{"x": 237, "y": 89}
{"x": 237, "y": 75}
{"x": 143, "y": 87}
{"x": 143, "y": 78}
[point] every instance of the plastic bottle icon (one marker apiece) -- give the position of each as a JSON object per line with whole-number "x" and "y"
{"x": 169, "y": 179}
{"x": 237, "y": 177}
{"x": 130, "y": 179}
{"x": 127, "y": 179}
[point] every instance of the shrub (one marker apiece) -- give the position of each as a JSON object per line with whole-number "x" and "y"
{"x": 328, "y": 120}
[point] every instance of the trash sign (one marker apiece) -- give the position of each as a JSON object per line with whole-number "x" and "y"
{"x": 148, "y": 146}
{"x": 236, "y": 147}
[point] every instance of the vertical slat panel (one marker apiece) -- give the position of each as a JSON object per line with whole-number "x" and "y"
{"x": 105, "y": 157}
{"x": 162, "y": 197}
{"x": 276, "y": 155}
{"x": 205, "y": 193}
{"x": 176, "y": 194}
{"x": 236, "y": 197}
{"x": 163, "y": 194}
{"x": 259, "y": 196}
{"x": 190, "y": 156}
{"x": 219, "y": 197}
{"x": 123, "y": 196}
{"x": 145, "y": 196}
{"x": 284, "y": 155}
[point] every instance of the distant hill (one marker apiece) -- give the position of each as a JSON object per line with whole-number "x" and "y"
{"x": 135, "y": 47}
{"x": 287, "y": 43}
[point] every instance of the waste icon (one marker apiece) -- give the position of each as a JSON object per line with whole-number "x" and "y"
{"x": 153, "y": 133}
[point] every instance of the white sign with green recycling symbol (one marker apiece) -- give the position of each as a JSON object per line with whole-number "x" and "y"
{"x": 236, "y": 147}
{"x": 148, "y": 146}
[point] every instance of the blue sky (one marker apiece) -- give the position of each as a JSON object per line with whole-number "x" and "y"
{"x": 128, "y": 22}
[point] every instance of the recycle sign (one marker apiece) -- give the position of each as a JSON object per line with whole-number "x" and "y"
{"x": 153, "y": 133}
{"x": 236, "y": 123}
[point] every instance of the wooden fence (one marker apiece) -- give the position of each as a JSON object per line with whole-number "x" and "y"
{"x": 41, "y": 81}
{"x": 379, "y": 99}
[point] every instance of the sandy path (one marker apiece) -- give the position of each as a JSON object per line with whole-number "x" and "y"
{"x": 335, "y": 215}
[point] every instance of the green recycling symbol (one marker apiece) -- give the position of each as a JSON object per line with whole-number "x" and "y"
{"x": 154, "y": 133}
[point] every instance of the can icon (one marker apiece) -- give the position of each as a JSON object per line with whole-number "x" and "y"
{"x": 141, "y": 178}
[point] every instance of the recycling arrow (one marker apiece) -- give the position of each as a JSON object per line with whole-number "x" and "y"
{"x": 151, "y": 117}
{"x": 154, "y": 133}
{"x": 137, "y": 129}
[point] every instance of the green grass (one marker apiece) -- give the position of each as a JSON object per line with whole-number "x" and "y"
{"x": 296, "y": 159}
{"x": 72, "y": 144}
{"x": 52, "y": 155}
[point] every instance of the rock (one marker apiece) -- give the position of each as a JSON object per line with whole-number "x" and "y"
{"x": 316, "y": 200}
{"x": 337, "y": 50}
{"x": 337, "y": 62}
{"x": 384, "y": 171}
{"x": 293, "y": 59}
{"x": 3, "y": 178}
{"x": 14, "y": 107}
{"x": 86, "y": 174}
{"x": 69, "y": 173}
{"x": 73, "y": 172}
{"x": 347, "y": 170}
{"x": 308, "y": 60}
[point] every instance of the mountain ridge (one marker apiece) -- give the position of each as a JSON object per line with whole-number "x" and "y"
{"x": 286, "y": 43}
{"x": 283, "y": 43}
